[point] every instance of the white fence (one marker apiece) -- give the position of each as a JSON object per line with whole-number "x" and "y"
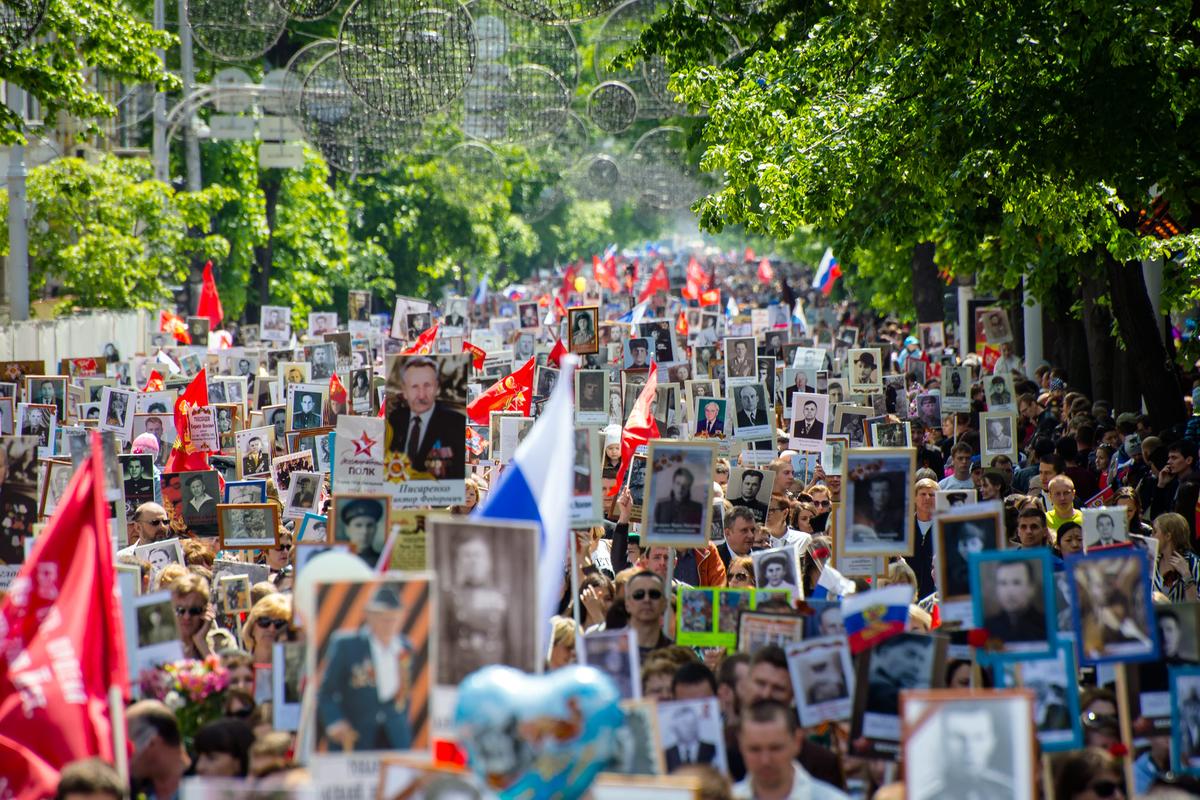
{"x": 77, "y": 336}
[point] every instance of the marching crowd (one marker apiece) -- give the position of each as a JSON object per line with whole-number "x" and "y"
{"x": 1063, "y": 454}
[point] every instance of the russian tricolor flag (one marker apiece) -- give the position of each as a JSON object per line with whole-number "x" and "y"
{"x": 871, "y": 617}
{"x": 828, "y": 271}
{"x": 481, "y": 291}
{"x": 537, "y": 487}
{"x": 634, "y": 315}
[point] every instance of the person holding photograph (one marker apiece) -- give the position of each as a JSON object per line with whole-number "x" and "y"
{"x": 364, "y": 692}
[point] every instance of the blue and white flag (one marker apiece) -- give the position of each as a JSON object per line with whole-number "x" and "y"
{"x": 537, "y": 486}
{"x": 831, "y": 584}
{"x": 480, "y": 291}
{"x": 635, "y": 314}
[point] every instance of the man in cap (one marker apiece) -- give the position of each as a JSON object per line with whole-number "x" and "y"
{"x": 639, "y": 349}
{"x": 255, "y": 461}
{"x": 362, "y": 703}
{"x": 866, "y": 367}
{"x": 360, "y": 525}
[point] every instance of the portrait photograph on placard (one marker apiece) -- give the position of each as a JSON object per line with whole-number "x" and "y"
{"x": 692, "y": 733}
{"x": 48, "y": 390}
{"x": 809, "y": 414}
{"x": 946, "y": 499}
{"x": 233, "y": 594}
{"x": 1104, "y": 527}
{"x": 116, "y": 411}
{"x": 1054, "y": 682}
{"x": 253, "y": 447}
{"x": 999, "y": 394}
{"x": 248, "y": 491}
{"x": 1185, "y": 719}
{"x": 778, "y": 569}
{"x": 959, "y": 533}
{"x": 1112, "y": 611}
{"x": 1012, "y": 592}
{"x": 752, "y": 417}
{"x": 711, "y": 418}
{"x": 849, "y": 420}
{"x": 364, "y": 704}
{"x": 757, "y": 629}
{"x": 891, "y": 434}
{"x": 583, "y": 325}
{"x": 313, "y": 530}
{"x": 156, "y": 634}
{"x": 984, "y": 740}
{"x": 865, "y": 372}
{"x": 614, "y": 653}
{"x": 305, "y": 406}
{"x": 751, "y": 488}
{"x": 994, "y": 324}
{"x": 585, "y": 487}
{"x": 303, "y": 494}
{"x": 425, "y": 452}
{"x": 997, "y": 436}
{"x": 878, "y": 499}
{"x": 933, "y": 336}
{"x": 489, "y": 613}
{"x": 740, "y": 362}
{"x": 638, "y": 743}
{"x": 678, "y": 493}
{"x": 901, "y": 662}
{"x": 248, "y": 526}
{"x": 822, "y": 679}
{"x": 200, "y": 495}
{"x": 591, "y": 396}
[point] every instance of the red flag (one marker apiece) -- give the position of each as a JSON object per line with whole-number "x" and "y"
{"x": 423, "y": 346}
{"x": 478, "y": 354}
{"x": 639, "y": 428}
{"x": 765, "y": 273}
{"x": 184, "y": 455}
{"x": 568, "y": 284}
{"x": 210, "y": 302}
{"x": 62, "y": 650}
{"x": 605, "y": 273}
{"x": 681, "y": 324}
{"x": 658, "y": 280}
{"x": 697, "y": 279}
{"x": 560, "y": 310}
{"x": 513, "y": 392}
{"x": 749, "y": 254}
{"x": 337, "y": 390}
{"x": 155, "y": 382}
{"x": 712, "y": 297}
{"x": 557, "y": 352}
{"x": 168, "y": 322}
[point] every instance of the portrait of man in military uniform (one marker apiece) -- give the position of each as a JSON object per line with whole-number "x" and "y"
{"x": 488, "y": 603}
{"x": 984, "y": 755}
{"x": 361, "y": 522}
{"x": 370, "y": 666}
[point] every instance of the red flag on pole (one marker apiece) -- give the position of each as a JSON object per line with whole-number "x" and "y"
{"x": 557, "y": 352}
{"x": 513, "y": 392}
{"x": 765, "y": 273}
{"x": 155, "y": 382}
{"x": 210, "y": 302}
{"x": 658, "y": 281}
{"x": 639, "y": 428}
{"x": 605, "y": 273}
{"x": 710, "y": 297}
{"x": 423, "y": 346}
{"x": 337, "y": 390}
{"x": 62, "y": 646}
{"x": 169, "y": 322}
{"x": 478, "y": 354}
{"x": 184, "y": 455}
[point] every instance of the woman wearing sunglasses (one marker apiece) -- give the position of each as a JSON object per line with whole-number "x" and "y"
{"x": 193, "y": 614}
{"x": 269, "y": 622}
{"x": 740, "y": 574}
{"x": 1089, "y": 774}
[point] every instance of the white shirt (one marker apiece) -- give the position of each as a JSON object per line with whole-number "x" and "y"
{"x": 387, "y": 667}
{"x": 804, "y": 787}
{"x": 950, "y": 483}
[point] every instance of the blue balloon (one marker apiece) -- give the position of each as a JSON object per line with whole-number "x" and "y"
{"x": 538, "y": 736}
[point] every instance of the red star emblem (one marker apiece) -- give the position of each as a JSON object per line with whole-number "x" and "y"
{"x": 363, "y": 445}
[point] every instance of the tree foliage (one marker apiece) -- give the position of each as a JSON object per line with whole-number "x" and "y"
{"x": 113, "y": 236}
{"x": 77, "y": 40}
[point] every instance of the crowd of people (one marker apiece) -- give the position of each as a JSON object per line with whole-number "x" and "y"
{"x": 894, "y": 455}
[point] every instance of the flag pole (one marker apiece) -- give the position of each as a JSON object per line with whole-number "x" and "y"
{"x": 116, "y": 702}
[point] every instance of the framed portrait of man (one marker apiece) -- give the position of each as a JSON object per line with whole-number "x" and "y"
{"x": 984, "y": 740}
{"x": 833, "y": 454}
{"x": 999, "y": 394}
{"x": 306, "y": 406}
{"x": 201, "y": 494}
{"x": 528, "y": 315}
{"x": 303, "y": 494}
{"x": 1185, "y": 718}
{"x": 678, "y": 493}
{"x": 48, "y": 390}
{"x": 248, "y": 526}
{"x": 1054, "y": 681}
{"x": 361, "y": 521}
{"x": 198, "y": 329}
{"x": 1113, "y": 614}
{"x": 752, "y": 417}
{"x": 947, "y": 499}
{"x": 741, "y": 365}
{"x": 929, "y": 409}
{"x": 586, "y": 500}
{"x": 490, "y": 611}
{"x": 615, "y": 654}
{"x": 961, "y": 532}
{"x": 751, "y": 487}
{"x": 849, "y": 421}
{"x": 591, "y": 396}
{"x": 703, "y": 359}
{"x": 1104, "y": 526}
{"x": 956, "y": 389}
{"x": 1012, "y": 592}
{"x": 897, "y": 664}
{"x": 822, "y": 679}
{"x": 809, "y": 415}
{"x": 544, "y": 381}
{"x": 865, "y": 369}
{"x": 116, "y": 411}
{"x": 993, "y": 321}
{"x": 711, "y": 420}
{"x": 583, "y": 323}
{"x": 253, "y": 448}
{"x": 933, "y": 336}
{"x": 878, "y": 501}
{"x": 692, "y": 733}
{"x": 425, "y": 451}
{"x": 997, "y": 436}
{"x": 371, "y": 664}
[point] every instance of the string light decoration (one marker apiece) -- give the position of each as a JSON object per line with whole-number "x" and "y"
{"x": 612, "y": 106}
{"x": 307, "y": 10}
{"x": 560, "y": 12}
{"x": 407, "y": 58}
{"x": 19, "y": 20}
{"x": 236, "y": 30}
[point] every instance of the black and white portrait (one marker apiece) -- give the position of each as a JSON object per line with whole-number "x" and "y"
{"x": 933, "y": 336}
{"x": 692, "y": 733}
{"x": 900, "y": 662}
{"x": 751, "y": 488}
{"x": 248, "y": 526}
{"x": 545, "y": 381}
{"x": 809, "y": 414}
{"x": 777, "y": 569}
{"x": 998, "y": 392}
{"x": 198, "y": 329}
{"x": 995, "y": 325}
{"x": 591, "y": 396}
{"x": 984, "y": 742}
{"x": 39, "y": 422}
{"x": 323, "y": 361}
{"x": 528, "y": 314}
{"x": 1104, "y": 527}
{"x": 116, "y": 411}
{"x": 660, "y": 335}
{"x": 305, "y": 408}
{"x": 303, "y": 494}
{"x": 956, "y": 389}
{"x": 997, "y": 437}
{"x": 864, "y": 369}
{"x": 489, "y": 609}
{"x": 322, "y": 322}
{"x": 879, "y": 502}
{"x": 891, "y": 434}
{"x": 638, "y": 743}
{"x": 822, "y": 679}
{"x": 156, "y": 621}
{"x": 417, "y": 323}
{"x": 361, "y": 521}
{"x": 201, "y": 494}
{"x": 48, "y": 390}
{"x": 1012, "y": 600}
{"x": 678, "y": 497}
{"x": 962, "y": 534}
{"x": 752, "y": 419}
{"x": 741, "y": 363}
{"x": 929, "y": 409}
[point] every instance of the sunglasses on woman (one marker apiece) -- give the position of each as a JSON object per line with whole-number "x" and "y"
{"x": 266, "y": 622}
{"x": 194, "y": 611}
{"x": 739, "y": 576}
{"x": 1104, "y": 788}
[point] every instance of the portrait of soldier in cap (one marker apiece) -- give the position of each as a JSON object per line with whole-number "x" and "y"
{"x": 358, "y": 523}
{"x": 364, "y": 693}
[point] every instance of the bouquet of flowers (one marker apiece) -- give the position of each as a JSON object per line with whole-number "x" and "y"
{"x": 193, "y": 690}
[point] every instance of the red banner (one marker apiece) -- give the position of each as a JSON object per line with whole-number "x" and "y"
{"x": 513, "y": 392}
{"x": 62, "y": 645}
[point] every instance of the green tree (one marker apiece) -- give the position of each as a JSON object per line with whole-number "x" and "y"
{"x": 78, "y": 39}
{"x": 994, "y": 138}
{"x": 113, "y": 236}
